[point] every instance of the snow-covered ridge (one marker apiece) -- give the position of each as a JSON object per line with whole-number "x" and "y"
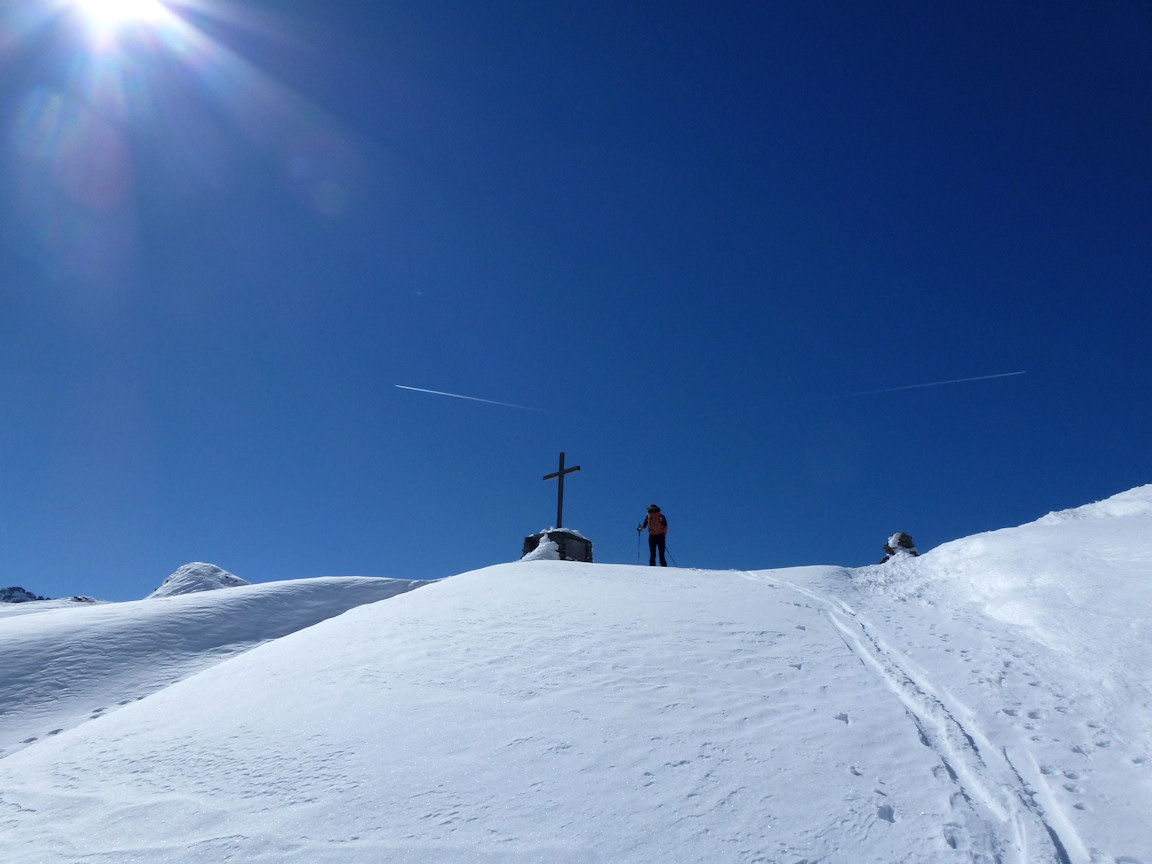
{"x": 13, "y": 610}
{"x": 1134, "y": 502}
{"x": 1012, "y": 561}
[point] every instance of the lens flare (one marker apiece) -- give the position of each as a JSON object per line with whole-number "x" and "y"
{"x": 111, "y": 13}
{"x": 147, "y": 108}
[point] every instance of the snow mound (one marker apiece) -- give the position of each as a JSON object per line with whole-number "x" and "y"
{"x": 197, "y": 576}
{"x": 548, "y": 550}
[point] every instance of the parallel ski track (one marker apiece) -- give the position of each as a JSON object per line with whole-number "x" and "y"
{"x": 985, "y": 777}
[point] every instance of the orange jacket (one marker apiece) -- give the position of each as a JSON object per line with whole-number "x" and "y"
{"x": 657, "y": 524}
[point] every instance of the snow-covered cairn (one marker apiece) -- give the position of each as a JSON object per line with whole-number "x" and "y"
{"x": 899, "y": 544}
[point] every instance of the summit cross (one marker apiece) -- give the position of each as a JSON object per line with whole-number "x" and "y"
{"x": 560, "y": 492}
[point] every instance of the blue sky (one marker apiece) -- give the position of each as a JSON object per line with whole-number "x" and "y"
{"x": 687, "y": 232}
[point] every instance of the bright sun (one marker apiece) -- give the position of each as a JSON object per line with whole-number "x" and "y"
{"x": 110, "y": 13}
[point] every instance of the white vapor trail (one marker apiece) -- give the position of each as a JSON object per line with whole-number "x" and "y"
{"x": 930, "y": 384}
{"x": 469, "y": 398}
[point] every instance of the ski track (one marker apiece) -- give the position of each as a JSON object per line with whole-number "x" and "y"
{"x": 1026, "y": 826}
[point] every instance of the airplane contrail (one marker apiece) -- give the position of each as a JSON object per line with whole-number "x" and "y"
{"x": 930, "y": 384}
{"x": 469, "y": 398}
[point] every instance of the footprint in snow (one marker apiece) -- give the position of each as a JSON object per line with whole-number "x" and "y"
{"x": 842, "y": 717}
{"x": 885, "y": 812}
{"x": 952, "y": 835}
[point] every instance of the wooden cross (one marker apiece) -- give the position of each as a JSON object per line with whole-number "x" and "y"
{"x": 560, "y": 493}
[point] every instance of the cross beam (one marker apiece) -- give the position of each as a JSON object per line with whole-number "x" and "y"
{"x": 560, "y": 492}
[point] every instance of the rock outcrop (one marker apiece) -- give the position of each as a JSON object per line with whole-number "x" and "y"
{"x": 899, "y": 544}
{"x": 18, "y": 595}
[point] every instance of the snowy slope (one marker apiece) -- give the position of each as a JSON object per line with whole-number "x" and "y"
{"x": 11, "y": 610}
{"x": 1041, "y": 637}
{"x": 985, "y": 702}
{"x": 74, "y": 662}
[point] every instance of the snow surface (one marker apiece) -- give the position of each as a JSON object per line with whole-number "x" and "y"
{"x": 197, "y": 576}
{"x": 33, "y": 606}
{"x": 989, "y": 701}
{"x": 73, "y": 663}
{"x": 546, "y": 550}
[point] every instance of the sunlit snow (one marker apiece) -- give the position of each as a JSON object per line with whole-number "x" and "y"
{"x": 988, "y": 701}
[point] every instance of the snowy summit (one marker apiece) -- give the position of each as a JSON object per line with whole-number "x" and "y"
{"x": 987, "y": 702}
{"x": 194, "y": 577}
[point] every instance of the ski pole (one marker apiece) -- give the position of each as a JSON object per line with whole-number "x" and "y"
{"x": 637, "y": 545}
{"x": 669, "y": 554}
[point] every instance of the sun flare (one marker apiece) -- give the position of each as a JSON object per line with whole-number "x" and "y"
{"x": 112, "y": 13}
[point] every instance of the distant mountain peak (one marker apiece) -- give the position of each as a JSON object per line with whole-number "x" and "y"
{"x": 18, "y": 595}
{"x": 195, "y": 577}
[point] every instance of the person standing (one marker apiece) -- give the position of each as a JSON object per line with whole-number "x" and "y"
{"x": 657, "y": 534}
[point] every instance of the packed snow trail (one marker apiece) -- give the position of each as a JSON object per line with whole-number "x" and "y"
{"x": 1011, "y": 826}
{"x": 1043, "y": 633}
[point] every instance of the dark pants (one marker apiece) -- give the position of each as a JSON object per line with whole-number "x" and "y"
{"x": 656, "y": 541}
